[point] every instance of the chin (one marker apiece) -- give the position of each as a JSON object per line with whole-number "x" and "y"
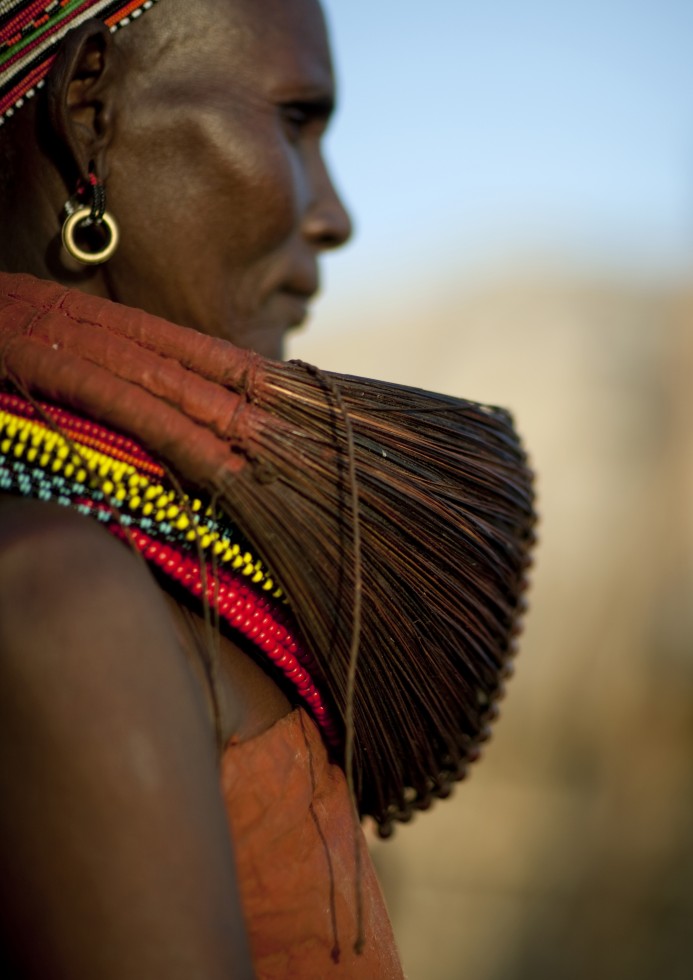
{"x": 275, "y": 352}
{"x": 264, "y": 341}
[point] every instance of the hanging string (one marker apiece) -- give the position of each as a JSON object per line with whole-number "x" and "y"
{"x": 336, "y": 949}
{"x": 211, "y": 648}
{"x": 333, "y": 389}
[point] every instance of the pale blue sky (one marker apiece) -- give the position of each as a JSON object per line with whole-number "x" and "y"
{"x": 479, "y": 133}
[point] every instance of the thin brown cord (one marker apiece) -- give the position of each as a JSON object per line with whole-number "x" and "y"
{"x": 210, "y": 648}
{"x": 213, "y": 627}
{"x": 248, "y": 382}
{"x": 336, "y": 949}
{"x": 332, "y": 387}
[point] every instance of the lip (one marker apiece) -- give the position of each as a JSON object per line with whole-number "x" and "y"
{"x": 297, "y": 293}
{"x": 302, "y": 280}
{"x": 295, "y": 306}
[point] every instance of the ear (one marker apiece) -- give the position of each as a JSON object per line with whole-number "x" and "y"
{"x": 79, "y": 92}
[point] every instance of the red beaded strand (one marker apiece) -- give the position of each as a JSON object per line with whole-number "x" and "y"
{"x": 245, "y": 611}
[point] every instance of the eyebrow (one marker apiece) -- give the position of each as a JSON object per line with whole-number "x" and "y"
{"x": 299, "y": 88}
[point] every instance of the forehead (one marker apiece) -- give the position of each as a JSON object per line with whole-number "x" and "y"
{"x": 278, "y": 44}
{"x": 288, "y": 39}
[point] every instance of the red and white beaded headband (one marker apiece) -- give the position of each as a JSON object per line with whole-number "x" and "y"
{"x": 31, "y": 31}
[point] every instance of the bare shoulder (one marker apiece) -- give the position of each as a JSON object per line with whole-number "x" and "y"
{"x": 55, "y": 560}
{"x": 115, "y": 857}
{"x": 77, "y": 605}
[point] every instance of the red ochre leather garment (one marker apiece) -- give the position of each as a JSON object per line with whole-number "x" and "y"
{"x": 293, "y": 833}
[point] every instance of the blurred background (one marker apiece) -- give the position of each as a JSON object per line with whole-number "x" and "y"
{"x": 521, "y": 176}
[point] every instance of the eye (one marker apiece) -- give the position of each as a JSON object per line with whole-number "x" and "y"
{"x": 295, "y": 119}
{"x": 304, "y": 118}
{"x": 295, "y": 114}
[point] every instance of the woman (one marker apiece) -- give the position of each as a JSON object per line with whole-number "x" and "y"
{"x": 187, "y": 148}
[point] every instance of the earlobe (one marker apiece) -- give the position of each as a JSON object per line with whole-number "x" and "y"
{"x": 79, "y": 94}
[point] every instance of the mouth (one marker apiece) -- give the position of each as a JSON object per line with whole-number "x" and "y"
{"x": 294, "y": 308}
{"x": 296, "y": 297}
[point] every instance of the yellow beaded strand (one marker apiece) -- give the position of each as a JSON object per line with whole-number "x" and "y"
{"x": 131, "y": 490}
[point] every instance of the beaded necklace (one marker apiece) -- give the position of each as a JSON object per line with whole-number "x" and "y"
{"x": 48, "y": 453}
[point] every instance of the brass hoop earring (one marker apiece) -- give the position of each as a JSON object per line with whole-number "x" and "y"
{"x": 68, "y": 234}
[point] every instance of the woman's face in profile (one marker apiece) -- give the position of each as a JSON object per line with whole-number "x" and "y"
{"x": 216, "y": 173}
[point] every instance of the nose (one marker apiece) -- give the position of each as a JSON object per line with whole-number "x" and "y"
{"x": 326, "y": 223}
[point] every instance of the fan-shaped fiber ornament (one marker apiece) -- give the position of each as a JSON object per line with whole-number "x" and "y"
{"x": 392, "y": 516}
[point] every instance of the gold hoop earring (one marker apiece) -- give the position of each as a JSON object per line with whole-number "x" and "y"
{"x": 88, "y": 209}
{"x": 74, "y": 220}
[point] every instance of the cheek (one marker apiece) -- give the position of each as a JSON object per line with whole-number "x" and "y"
{"x": 210, "y": 189}
{"x": 261, "y": 206}
{"x": 244, "y": 186}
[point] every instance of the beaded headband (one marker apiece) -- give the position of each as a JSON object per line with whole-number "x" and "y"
{"x": 31, "y": 31}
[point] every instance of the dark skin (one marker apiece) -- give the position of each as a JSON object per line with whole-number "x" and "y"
{"x": 116, "y": 859}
